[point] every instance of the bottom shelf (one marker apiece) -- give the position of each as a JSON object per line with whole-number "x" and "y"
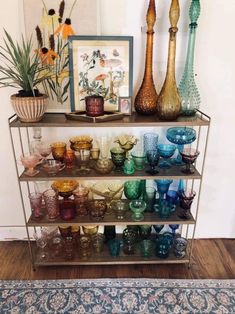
{"x": 104, "y": 258}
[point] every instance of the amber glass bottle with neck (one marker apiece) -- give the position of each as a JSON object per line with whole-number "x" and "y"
{"x": 146, "y": 98}
{"x": 169, "y": 102}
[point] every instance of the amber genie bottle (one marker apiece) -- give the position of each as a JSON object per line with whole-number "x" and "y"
{"x": 169, "y": 102}
{"x": 146, "y": 98}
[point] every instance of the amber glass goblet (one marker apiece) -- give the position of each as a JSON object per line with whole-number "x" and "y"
{"x": 58, "y": 150}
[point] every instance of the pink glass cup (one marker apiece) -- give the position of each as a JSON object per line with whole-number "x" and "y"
{"x": 36, "y": 204}
{"x": 51, "y": 203}
{"x": 29, "y": 161}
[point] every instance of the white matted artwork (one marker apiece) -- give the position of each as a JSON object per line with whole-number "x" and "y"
{"x": 51, "y": 22}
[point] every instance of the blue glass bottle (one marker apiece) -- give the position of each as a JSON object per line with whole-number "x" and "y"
{"x": 188, "y": 90}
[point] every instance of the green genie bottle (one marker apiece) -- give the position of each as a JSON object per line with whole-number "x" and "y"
{"x": 187, "y": 88}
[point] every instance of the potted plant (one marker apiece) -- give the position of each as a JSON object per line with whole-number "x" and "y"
{"x": 22, "y": 68}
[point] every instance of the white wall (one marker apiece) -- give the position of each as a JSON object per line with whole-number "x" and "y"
{"x": 214, "y": 65}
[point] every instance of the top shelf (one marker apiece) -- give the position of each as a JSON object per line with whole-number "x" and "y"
{"x": 135, "y": 120}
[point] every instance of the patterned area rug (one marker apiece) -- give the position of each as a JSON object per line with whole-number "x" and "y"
{"x": 123, "y": 296}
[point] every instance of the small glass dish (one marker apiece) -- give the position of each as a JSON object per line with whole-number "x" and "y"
{"x": 90, "y": 230}
{"x": 52, "y": 166}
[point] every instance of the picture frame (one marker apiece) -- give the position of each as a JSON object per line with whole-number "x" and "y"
{"x": 125, "y": 105}
{"x": 100, "y": 65}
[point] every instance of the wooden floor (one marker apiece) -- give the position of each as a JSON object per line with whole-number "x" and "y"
{"x": 212, "y": 259}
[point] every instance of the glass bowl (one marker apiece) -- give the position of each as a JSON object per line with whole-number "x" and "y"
{"x": 90, "y": 230}
{"x": 81, "y": 142}
{"x": 103, "y": 166}
{"x": 52, "y": 166}
{"x": 65, "y": 188}
{"x": 181, "y": 135}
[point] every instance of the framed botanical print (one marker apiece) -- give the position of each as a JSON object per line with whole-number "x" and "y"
{"x": 100, "y": 65}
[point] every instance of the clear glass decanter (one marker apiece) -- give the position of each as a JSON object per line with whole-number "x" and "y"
{"x": 37, "y": 135}
{"x": 187, "y": 88}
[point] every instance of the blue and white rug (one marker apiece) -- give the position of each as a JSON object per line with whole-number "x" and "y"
{"x": 117, "y": 296}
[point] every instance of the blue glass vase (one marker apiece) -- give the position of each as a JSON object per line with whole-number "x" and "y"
{"x": 188, "y": 90}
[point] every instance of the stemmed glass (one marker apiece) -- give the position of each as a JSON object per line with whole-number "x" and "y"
{"x": 189, "y": 156}
{"x": 43, "y": 149}
{"x": 180, "y": 136}
{"x": 126, "y": 142}
{"x": 41, "y": 241}
{"x": 83, "y": 158}
{"x": 186, "y": 200}
{"x": 166, "y": 151}
{"x": 158, "y": 228}
{"x": 29, "y": 161}
{"x": 153, "y": 158}
{"x": 162, "y": 187}
{"x": 174, "y": 228}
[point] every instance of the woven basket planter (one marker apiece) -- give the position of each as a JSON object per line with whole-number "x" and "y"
{"x": 29, "y": 109}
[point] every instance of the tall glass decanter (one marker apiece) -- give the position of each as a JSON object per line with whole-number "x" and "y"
{"x": 146, "y": 98}
{"x": 169, "y": 102}
{"x": 187, "y": 88}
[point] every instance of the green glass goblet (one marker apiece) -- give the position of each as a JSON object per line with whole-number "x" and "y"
{"x": 137, "y": 207}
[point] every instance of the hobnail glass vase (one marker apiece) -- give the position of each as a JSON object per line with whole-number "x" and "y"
{"x": 188, "y": 90}
{"x": 146, "y": 98}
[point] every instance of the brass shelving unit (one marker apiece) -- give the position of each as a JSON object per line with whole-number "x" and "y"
{"x": 20, "y": 139}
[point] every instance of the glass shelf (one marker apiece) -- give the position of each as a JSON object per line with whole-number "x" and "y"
{"x": 173, "y": 173}
{"x": 135, "y": 120}
{"x": 149, "y": 219}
